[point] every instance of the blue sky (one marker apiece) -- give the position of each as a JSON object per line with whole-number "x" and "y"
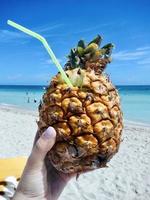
{"x": 23, "y": 60}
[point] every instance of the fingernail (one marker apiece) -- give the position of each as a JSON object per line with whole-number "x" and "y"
{"x": 47, "y": 134}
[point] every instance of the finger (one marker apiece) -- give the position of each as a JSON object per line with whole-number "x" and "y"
{"x": 41, "y": 147}
{"x": 37, "y": 136}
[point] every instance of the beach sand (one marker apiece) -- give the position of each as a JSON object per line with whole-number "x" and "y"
{"x": 126, "y": 178}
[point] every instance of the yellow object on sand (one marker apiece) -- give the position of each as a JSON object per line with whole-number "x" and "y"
{"x": 12, "y": 167}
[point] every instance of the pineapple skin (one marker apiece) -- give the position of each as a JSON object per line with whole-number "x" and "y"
{"x": 87, "y": 119}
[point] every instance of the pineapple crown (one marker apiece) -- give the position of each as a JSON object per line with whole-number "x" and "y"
{"x": 90, "y": 55}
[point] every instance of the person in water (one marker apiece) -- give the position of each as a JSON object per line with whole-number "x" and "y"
{"x": 28, "y": 101}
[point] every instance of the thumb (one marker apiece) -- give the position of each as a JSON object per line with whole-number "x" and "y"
{"x": 41, "y": 147}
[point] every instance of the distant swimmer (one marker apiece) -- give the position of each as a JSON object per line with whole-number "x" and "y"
{"x": 35, "y": 100}
{"x": 28, "y": 101}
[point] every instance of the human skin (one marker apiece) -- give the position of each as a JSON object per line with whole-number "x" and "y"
{"x": 40, "y": 180}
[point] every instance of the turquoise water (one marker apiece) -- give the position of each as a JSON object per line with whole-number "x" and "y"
{"x": 21, "y": 96}
{"x": 135, "y": 100}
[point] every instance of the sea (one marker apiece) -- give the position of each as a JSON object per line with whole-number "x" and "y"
{"x": 135, "y": 100}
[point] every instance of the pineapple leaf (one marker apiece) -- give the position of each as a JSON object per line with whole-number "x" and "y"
{"x": 97, "y": 40}
{"x": 81, "y": 43}
{"x": 108, "y": 48}
{"x": 87, "y": 56}
{"x": 91, "y": 48}
{"x": 89, "y": 53}
{"x": 98, "y": 53}
{"x": 80, "y": 51}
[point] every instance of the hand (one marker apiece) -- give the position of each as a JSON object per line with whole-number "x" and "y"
{"x": 40, "y": 180}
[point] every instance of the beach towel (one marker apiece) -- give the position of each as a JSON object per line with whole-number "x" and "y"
{"x": 10, "y": 173}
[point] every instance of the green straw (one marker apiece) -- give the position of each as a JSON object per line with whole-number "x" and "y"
{"x": 44, "y": 42}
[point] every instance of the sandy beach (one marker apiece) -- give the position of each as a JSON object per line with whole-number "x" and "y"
{"x": 126, "y": 178}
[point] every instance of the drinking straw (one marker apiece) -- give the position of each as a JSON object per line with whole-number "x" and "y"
{"x": 44, "y": 42}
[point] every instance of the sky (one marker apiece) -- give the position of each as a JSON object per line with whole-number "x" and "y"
{"x": 23, "y": 59}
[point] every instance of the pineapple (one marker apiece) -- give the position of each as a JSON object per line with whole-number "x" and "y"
{"x": 87, "y": 117}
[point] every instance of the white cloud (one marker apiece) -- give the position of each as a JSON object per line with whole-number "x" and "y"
{"x": 127, "y": 55}
{"x": 143, "y": 48}
{"x": 8, "y": 35}
{"x": 14, "y": 77}
{"x": 145, "y": 61}
{"x": 89, "y": 29}
{"x": 41, "y": 76}
{"x": 140, "y": 54}
{"x": 37, "y": 78}
{"x": 81, "y": 30}
{"x": 49, "y": 61}
{"x": 46, "y": 28}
